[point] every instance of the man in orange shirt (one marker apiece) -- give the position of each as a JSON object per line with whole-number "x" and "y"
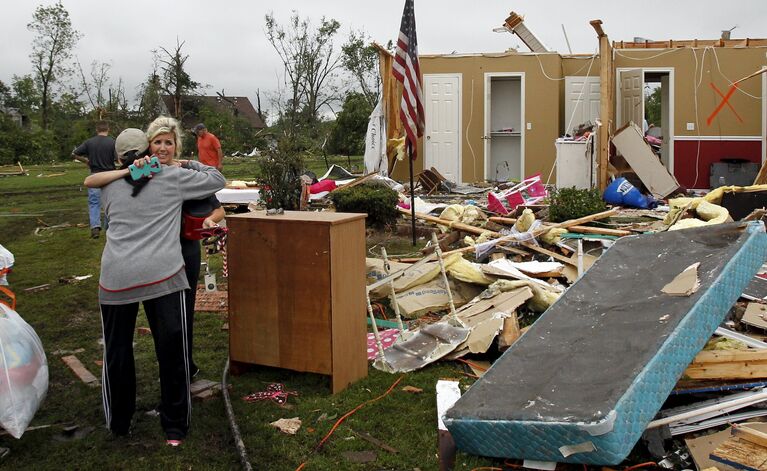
{"x": 209, "y": 148}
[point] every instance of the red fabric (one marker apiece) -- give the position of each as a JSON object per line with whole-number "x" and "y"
{"x": 191, "y": 227}
{"x": 536, "y": 189}
{"x": 686, "y": 155}
{"x": 324, "y": 185}
{"x": 388, "y": 337}
{"x": 495, "y": 205}
{"x": 407, "y": 71}
{"x": 207, "y": 148}
{"x": 515, "y": 199}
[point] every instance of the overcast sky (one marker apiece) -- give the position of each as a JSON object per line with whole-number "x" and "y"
{"x": 228, "y": 49}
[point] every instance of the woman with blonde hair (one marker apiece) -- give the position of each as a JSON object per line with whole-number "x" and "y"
{"x": 142, "y": 262}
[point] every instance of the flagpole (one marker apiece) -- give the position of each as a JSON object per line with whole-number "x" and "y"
{"x": 412, "y": 191}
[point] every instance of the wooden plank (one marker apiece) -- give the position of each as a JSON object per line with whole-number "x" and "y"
{"x": 79, "y": 369}
{"x": 750, "y": 435}
{"x": 577, "y": 229}
{"x": 728, "y": 364}
{"x": 606, "y": 104}
{"x": 347, "y": 293}
{"x": 741, "y": 454}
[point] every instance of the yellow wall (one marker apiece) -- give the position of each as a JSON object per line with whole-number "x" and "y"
{"x": 732, "y": 64}
{"x": 542, "y": 108}
{"x": 544, "y": 97}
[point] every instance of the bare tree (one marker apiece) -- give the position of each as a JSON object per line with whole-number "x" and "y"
{"x": 309, "y": 61}
{"x": 51, "y": 49}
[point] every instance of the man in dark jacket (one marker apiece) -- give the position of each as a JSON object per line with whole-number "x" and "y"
{"x": 98, "y": 153}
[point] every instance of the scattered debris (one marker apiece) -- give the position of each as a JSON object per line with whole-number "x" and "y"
{"x": 289, "y": 426}
{"x": 79, "y": 369}
{"x": 73, "y": 279}
{"x": 275, "y": 392}
{"x": 370, "y": 439}
{"x": 359, "y": 457}
{"x": 412, "y": 389}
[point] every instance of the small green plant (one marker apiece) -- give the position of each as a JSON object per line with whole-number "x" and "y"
{"x": 281, "y": 176}
{"x": 572, "y": 203}
{"x": 377, "y": 200}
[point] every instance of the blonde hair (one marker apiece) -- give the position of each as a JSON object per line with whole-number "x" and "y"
{"x": 165, "y": 125}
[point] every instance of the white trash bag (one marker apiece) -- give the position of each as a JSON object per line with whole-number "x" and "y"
{"x": 23, "y": 372}
{"x": 6, "y": 262}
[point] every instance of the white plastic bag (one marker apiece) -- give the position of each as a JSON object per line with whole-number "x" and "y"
{"x": 23, "y": 372}
{"x": 6, "y": 262}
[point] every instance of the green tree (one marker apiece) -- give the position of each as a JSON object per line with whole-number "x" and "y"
{"x": 150, "y": 102}
{"x": 24, "y": 95}
{"x": 174, "y": 80}
{"x": 360, "y": 58}
{"x": 652, "y": 107}
{"x": 51, "y": 49}
{"x": 348, "y": 134}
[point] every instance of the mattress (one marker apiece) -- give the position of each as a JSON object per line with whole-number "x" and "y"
{"x": 584, "y": 381}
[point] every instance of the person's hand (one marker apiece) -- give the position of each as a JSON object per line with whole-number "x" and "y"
{"x": 182, "y": 162}
{"x": 138, "y": 163}
{"x": 207, "y": 223}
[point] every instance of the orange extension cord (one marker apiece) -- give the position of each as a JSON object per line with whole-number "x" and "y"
{"x": 338, "y": 422}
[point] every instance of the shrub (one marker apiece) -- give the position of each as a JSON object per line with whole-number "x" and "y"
{"x": 572, "y": 203}
{"x": 281, "y": 171}
{"x": 377, "y": 200}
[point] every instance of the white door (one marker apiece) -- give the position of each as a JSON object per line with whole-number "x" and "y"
{"x": 631, "y": 97}
{"x": 581, "y": 101}
{"x": 665, "y": 117}
{"x": 441, "y": 140}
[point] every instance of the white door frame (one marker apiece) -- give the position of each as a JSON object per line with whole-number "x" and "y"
{"x": 522, "y": 123}
{"x": 459, "y": 176}
{"x": 764, "y": 116}
{"x": 670, "y": 71}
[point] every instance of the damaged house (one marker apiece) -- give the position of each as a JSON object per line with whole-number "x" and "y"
{"x": 496, "y": 116}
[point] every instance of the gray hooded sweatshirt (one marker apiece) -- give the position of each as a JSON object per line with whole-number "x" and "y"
{"x": 142, "y": 256}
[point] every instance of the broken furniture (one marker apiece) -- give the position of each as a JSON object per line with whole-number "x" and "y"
{"x": 585, "y": 380}
{"x": 297, "y": 292}
{"x": 430, "y": 180}
{"x": 629, "y": 141}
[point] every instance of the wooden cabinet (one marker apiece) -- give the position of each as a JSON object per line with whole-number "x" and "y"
{"x": 297, "y": 292}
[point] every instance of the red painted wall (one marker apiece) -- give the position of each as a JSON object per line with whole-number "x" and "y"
{"x": 686, "y": 154}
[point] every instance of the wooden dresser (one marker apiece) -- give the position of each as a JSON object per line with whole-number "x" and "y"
{"x": 297, "y": 292}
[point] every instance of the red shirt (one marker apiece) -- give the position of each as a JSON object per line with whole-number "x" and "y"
{"x": 207, "y": 148}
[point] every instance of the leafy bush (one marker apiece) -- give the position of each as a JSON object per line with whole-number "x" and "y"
{"x": 281, "y": 171}
{"x": 572, "y": 203}
{"x": 377, "y": 200}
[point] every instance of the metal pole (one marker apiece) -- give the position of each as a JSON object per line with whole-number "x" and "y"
{"x": 412, "y": 191}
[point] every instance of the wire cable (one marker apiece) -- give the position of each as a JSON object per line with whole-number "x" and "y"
{"x": 232, "y": 423}
{"x": 345, "y": 416}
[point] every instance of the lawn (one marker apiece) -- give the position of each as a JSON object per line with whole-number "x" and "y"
{"x": 44, "y": 224}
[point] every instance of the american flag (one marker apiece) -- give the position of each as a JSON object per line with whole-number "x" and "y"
{"x": 407, "y": 71}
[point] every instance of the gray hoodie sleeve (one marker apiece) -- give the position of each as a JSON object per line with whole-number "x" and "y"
{"x": 198, "y": 181}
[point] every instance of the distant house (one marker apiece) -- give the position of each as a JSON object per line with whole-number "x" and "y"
{"x": 15, "y": 116}
{"x": 238, "y": 106}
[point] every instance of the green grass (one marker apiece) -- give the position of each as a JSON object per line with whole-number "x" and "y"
{"x": 66, "y": 317}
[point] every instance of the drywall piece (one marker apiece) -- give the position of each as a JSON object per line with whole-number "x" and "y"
{"x": 685, "y": 283}
{"x": 755, "y": 315}
{"x": 631, "y": 144}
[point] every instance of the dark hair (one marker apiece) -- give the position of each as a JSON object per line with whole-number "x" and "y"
{"x": 102, "y": 126}
{"x": 127, "y": 159}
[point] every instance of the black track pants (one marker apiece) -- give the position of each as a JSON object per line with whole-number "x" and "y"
{"x": 167, "y": 319}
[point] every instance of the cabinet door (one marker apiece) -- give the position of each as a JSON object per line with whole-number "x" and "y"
{"x": 279, "y": 294}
